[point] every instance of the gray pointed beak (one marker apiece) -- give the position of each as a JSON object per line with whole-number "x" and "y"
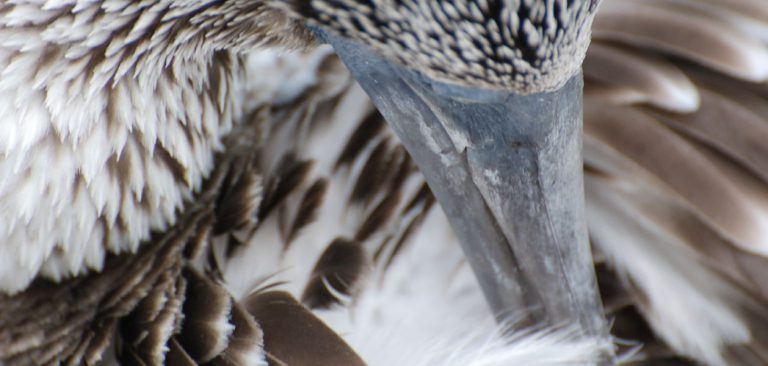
{"x": 507, "y": 171}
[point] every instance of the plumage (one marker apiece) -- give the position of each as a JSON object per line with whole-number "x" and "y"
{"x": 498, "y": 44}
{"x": 175, "y": 190}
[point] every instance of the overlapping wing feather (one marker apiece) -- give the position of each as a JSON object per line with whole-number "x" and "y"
{"x": 313, "y": 196}
{"x": 675, "y": 149}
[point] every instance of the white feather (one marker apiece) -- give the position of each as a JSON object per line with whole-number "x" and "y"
{"x": 63, "y": 125}
{"x": 427, "y": 309}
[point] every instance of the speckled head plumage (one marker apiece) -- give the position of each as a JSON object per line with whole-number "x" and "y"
{"x": 524, "y": 46}
{"x": 121, "y": 66}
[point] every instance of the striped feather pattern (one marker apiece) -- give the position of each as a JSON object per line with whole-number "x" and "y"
{"x": 676, "y": 188}
{"x": 313, "y": 201}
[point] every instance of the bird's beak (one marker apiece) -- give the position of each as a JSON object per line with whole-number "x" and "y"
{"x": 507, "y": 171}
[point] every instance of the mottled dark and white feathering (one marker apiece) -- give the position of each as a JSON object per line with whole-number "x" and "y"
{"x": 267, "y": 215}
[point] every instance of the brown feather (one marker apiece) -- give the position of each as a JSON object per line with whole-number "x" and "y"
{"x": 340, "y": 267}
{"x": 729, "y": 127}
{"x": 294, "y": 336}
{"x": 103, "y": 336}
{"x": 422, "y": 202}
{"x": 754, "y": 9}
{"x": 290, "y": 174}
{"x": 651, "y": 78}
{"x": 205, "y": 329}
{"x": 96, "y": 302}
{"x": 360, "y": 138}
{"x": 246, "y": 342}
{"x": 687, "y": 34}
{"x": 152, "y": 323}
{"x": 670, "y": 158}
{"x": 177, "y": 356}
{"x": 237, "y": 205}
{"x": 372, "y": 176}
{"x": 379, "y": 217}
{"x": 307, "y": 211}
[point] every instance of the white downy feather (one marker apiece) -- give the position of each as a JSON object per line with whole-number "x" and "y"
{"x": 427, "y": 309}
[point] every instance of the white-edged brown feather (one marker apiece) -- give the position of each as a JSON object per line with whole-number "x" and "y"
{"x": 679, "y": 195}
{"x": 677, "y": 209}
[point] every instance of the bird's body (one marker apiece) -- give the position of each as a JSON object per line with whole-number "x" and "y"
{"x": 150, "y": 165}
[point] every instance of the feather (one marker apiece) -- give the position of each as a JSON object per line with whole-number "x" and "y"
{"x": 435, "y": 314}
{"x": 652, "y": 79}
{"x": 268, "y": 158}
{"x": 177, "y": 355}
{"x": 307, "y": 210}
{"x": 238, "y": 203}
{"x": 293, "y": 336}
{"x": 289, "y": 176}
{"x": 675, "y": 162}
{"x": 337, "y": 272}
{"x": 206, "y": 327}
{"x": 363, "y": 134}
{"x": 149, "y": 327}
{"x": 729, "y": 127}
{"x": 246, "y": 344}
{"x": 697, "y": 37}
{"x": 380, "y": 215}
{"x": 709, "y": 312}
{"x": 372, "y": 174}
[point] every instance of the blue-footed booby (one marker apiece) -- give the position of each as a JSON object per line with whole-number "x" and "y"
{"x": 204, "y": 182}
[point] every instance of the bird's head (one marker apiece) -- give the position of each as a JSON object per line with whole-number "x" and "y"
{"x": 526, "y": 46}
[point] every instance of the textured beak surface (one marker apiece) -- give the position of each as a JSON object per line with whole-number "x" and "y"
{"x": 507, "y": 170}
